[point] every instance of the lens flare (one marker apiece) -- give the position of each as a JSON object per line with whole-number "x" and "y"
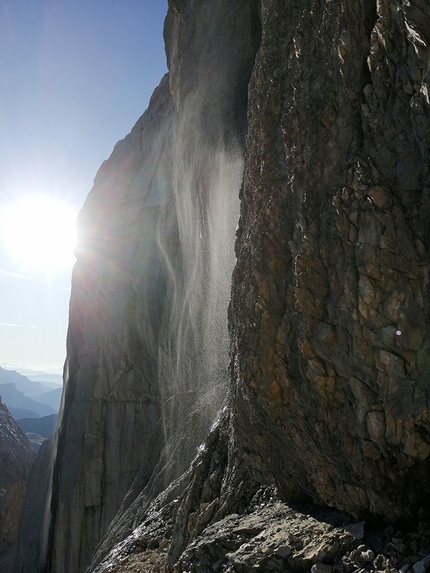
{"x": 39, "y": 232}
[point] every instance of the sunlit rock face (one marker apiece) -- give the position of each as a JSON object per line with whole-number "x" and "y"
{"x": 109, "y": 422}
{"x": 16, "y": 457}
{"x": 330, "y": 297}
{"x": 318, "y": 112}
{"x": 147, "y": 351}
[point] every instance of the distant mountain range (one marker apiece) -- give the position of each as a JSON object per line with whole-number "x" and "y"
{"x": 52, "y": 377}
{"x": 27, "y": 398}
{"x": 44, "y": 427}
{"x": 33, "y": 403}
{"x": 14, "y": 398}
{"x": 38, "y": 430}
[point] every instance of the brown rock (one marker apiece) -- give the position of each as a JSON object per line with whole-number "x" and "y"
{"x": 304, "y": 108}
{"x": 362, "y": 291}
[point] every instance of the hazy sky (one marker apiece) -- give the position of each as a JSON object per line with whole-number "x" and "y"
{"x": 75, "y": 75}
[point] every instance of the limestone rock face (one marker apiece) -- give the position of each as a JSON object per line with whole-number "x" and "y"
{"x": 330, "y": 297}
{"x": 16, "y": 457}
{"x": 147, "y": 351}
{"x": 318, "y": 112}
{"x": 109, "y": 421}
{"x": 34, "y": 521}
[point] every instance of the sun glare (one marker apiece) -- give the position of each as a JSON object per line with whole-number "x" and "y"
{"x": 39, "y": 232}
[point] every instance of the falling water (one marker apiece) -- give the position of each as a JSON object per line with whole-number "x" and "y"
{"x": 147, "y": 342}
{"x": 193, "y": 353}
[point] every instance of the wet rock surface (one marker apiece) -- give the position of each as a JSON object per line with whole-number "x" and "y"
{"x": 215, "y": 520}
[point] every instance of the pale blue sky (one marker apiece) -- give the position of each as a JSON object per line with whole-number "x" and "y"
{"x": 75, "y": 77}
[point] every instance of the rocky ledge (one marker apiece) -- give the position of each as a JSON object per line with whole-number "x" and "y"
{"x": 273, "y": 536}
{"x": 214, "y": 519}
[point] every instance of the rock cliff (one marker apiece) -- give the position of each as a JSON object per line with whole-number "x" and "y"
{"x": 315, "y": 116}
{"x": 16, "y": 457}
{"x": 330, "y": 290}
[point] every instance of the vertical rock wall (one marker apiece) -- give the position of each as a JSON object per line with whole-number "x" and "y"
{"x": 147, "y": 350}
{"x": 16, "y": 457}
{"x": 329, "y": 313}
{"x": 109, "y": 422}
{"x": 330, "y": 298}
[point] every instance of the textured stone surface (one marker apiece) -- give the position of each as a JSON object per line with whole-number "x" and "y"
{"x": 329, "y": 312}
{"x": 16, "y": 457}
{"x": 34, "y": 521}
{"x": 330, "y": 300}
{"x": 147, "y": 351}
{"x": 270, "y": 536}
{"x": 109, "y": 423}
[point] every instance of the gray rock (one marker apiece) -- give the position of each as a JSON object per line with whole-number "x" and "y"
{"x": 422, "y": 565}
{"x": 16, "y": 457}
{"x": 321, "y": 568}
{"x": 366, "y": 555}
{"x": 317, "y": 113}
{"x": 356, "y": 529}
{"x": 148, "y": 347}
{"x": 330, "y": 382}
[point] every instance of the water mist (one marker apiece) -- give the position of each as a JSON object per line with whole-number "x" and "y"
{"x": 147, "y": 348}
{"x": 193, "y": 354}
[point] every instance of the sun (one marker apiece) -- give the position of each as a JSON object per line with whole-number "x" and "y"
{"x": 39, "y": 232}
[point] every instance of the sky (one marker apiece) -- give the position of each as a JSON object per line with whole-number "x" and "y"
{"x": 75, "y": 76}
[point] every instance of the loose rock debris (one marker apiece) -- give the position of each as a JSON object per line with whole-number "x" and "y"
{"x": 275, "y": 537}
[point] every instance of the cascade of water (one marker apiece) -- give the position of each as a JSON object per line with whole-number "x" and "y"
{"x": 193, "y": 354}
{"x": 148, "y": 341}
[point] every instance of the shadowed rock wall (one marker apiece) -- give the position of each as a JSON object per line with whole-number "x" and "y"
{"x": 330, "y": 297}
{"x": 16, "y": 457}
